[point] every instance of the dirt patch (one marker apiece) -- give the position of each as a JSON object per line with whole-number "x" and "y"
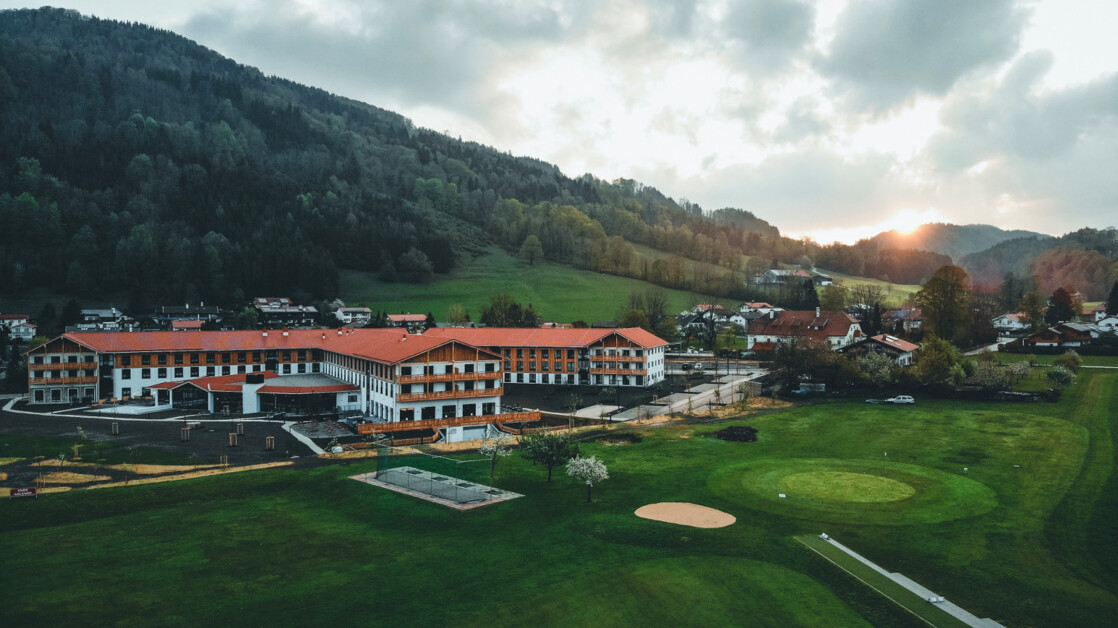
{"x": 737, "y": 434}
{"x": 68, "y": 477}
{"x": 686, "y": 514}
{"x": 4, "y": 461}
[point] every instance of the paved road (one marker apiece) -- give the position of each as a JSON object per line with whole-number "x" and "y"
{"x": 727, "y": 390}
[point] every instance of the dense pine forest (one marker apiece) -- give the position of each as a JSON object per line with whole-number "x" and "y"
{"x": 134, "y": 161}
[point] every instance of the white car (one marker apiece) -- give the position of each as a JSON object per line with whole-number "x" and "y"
{"x": 901, "y": 399}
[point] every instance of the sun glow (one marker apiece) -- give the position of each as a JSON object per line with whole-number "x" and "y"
{"x": 903, "y": 221}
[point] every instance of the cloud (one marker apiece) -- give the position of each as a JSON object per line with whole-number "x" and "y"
{"x": 886, "y": 52}
{"x": 764, "y": 37}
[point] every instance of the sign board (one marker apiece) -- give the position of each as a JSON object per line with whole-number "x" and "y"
{"x": 24, "y": 492}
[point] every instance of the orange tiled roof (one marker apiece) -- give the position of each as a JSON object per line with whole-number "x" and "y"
{"x": 535, "y": 337}
{"x": 383, "y": 345}
{"x": 803, "y": 323}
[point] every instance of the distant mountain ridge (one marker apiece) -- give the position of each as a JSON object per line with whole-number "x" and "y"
{"x": 955, "y": 241}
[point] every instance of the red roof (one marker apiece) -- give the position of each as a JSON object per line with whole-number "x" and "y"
{"x": 894, "y": 342}
{"x": 12, "y": 317}
{"x": 764, "y": 346}
{"x": 407, "y": 318}
{"x": 234, "y": 383}
{"x": 308, "y": 390}
{"x": 186, "y": 324}
{"x": 803, "y": 323}
{"x": 383, "y": 345}
{"x": 536, "y": 337}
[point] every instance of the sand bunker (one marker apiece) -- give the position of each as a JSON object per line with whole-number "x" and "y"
{"x": 686, "y": 514}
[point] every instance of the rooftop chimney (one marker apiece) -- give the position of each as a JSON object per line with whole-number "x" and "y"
{"x": 265, "y": 333}
{"x": 817, "y": 313}
{"x": 772, "y": 314}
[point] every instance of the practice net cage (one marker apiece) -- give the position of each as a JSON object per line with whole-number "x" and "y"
{"x": 456, "y": 480}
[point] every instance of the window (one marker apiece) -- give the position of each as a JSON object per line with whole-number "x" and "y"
{"x": 162, "y": 359}
{"x": 532, "y": 365}
{"x": 302, "y": 368}
{"x": 37, "y": 374}
{"x": 56, "y": 359}
{"x": 302, "y": 356}
{"x": 194, "y": 371}
{"x": 490, "y": 367}
{"x": 449, "y": 412}
{"x": 531, "y": 378}
{"x": 558, "y": 366}
{"x": 531, "y": 353}
{"x": 520, "y": 353}
{"x": 125, "y": 392}
{"x": 226, "y": 357}
{"x": 508, "y": 365}
{"x": 242, "y": 357}
{"x": 211, "y": 357}
{"x": 126, "y": 373}
{"x": 126, "y": 360}
{"x": 352, "y": 399}
{"x": 570, "y": 367}
{"x": 255, "y": 356}
{"x": 162, "y": 373}
{"x": 71, "y": 359}
{"x": 286, "y": 356}
{"x": 210, "y": 371}
{"x": 519, "y": 365}
{"x": 469, "y": 368}
{"x": 39, "y": 396}
{"x": 544, "y": 366}
{"x": 287, "y": 369}
{"x": 178, "y": 372}
{"x": 405, "y": 370}
{"x": 145, "y": 373}
{"x": 570, "y": 354}
{"x": 178, "y": 359}
{"x": 38, "y": 359}
{"x": 225, "y": 370}
{"x": 145, "y": 360}
{"x": 193, "y": 358}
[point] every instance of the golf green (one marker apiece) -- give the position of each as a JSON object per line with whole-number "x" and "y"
{"x": 853, "y": 491}
{"x": 846, "y": 487}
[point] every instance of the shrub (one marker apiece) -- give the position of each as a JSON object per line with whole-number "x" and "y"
{"x": 1070, "y": 360}
{"x": 737, "y": 434}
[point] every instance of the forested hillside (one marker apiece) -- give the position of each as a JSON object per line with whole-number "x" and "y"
{"x": 132, "y": 158}
{"x": 954, "y": 241}
{"x": 1084, "y": 260}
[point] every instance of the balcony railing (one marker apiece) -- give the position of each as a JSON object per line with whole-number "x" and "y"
{"x": 403, "y": 426}
{"x": 448, "y": 377}
{"x": 81, "y": 366}
{"x": 617, "y": 358}
{"x": 50, "y": 381}
{"x": 449, "y": 394}
{"x": 611, "y": 371}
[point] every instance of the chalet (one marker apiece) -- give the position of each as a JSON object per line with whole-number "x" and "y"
{"x": 1098, "y": 313}
{"x": 281, "y": 312}
{"x": 823, "y": 280}
{"x": 389, "y": 375}
{"x": 1063, "y": 335}
{"x": 835, "y": 329}
{"x": 907, "y": 320}
{"x": 166, "y": 315}
{"x": 778, "y": 276}
{"x": 600, "y": 357}
{"x": 1108, "y": 324}
{"x": 354, "y": 316}
{"x": 19, "y": 326}
{"x": 105, "y": 319}
{"x": 411, "y": 322}
{"x": 902, "y": 351}
{"x": 1010, "y": 323}
{"x": 757, "y": 306}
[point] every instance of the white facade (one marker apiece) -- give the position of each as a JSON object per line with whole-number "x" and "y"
{"x": 1008, "y": 323}
{"x": 356, "y": 316}
{"x": 1108, "y": 324}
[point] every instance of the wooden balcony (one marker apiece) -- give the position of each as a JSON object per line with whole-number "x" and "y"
{"x": 403, "y": 426}
{"x": 55, "y": 381}
{"x": 613, "y": 371}
{"x": 449, "y": 394}
{"x": 448, "y": 377}
{"x": 81, "y": 366}
{"x": 617, "y": 358}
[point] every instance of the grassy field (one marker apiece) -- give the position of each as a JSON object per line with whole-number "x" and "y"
{"x": 1025, "y": 534}
{"x": 558, "y": 293}
{"x": 895, "y": 293}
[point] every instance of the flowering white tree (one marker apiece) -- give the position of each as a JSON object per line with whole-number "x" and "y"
{"x": 589, "y": 470}
{"x": 496, "y": 447}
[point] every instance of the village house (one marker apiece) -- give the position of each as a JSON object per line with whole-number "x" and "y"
{"x": 778, "y": 276}
{"x": 279, "y": 312}
{"x": 833, "y": 328}
{"x": 354, "y": 316}
{"x": 411, "y": 322}
{"x": 1010, "y": 323}
{"x": 901, "y": 351}
{"x": 1108, "y": 324}
{"x": 105, "y": 319}
{"x": 19, "y": 326}
{"x": 903, "y": 320}
{"x": 166, "y": 315}
{"x": 1063, "y": 335}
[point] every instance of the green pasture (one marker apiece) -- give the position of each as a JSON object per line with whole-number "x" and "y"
{"x": 558, "y": 293}
{"x": 1025, "y": 534}
{"x": 895, "y": 293}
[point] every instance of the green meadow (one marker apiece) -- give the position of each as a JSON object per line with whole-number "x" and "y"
{"x": 557, "y": 292}
{"x": 1007, "y": 509}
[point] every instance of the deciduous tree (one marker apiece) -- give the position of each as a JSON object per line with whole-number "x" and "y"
{"x": 945, "y": 302}
{"x": 589, "y": 470}
{"x": 548, "y": 449}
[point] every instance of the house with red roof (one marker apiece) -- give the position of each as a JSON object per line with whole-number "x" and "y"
{"x": 19, "y": 326}
{"x": 835, "y": 329}
{"x": 1010, "y": 323}
{"x": 903, "y": 352}
{"x": 411, "y": 322}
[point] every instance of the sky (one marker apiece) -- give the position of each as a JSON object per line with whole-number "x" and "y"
{"x": 832, "y": 119}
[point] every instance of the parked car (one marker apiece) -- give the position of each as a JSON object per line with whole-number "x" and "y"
{"x": 901, "y": 399}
